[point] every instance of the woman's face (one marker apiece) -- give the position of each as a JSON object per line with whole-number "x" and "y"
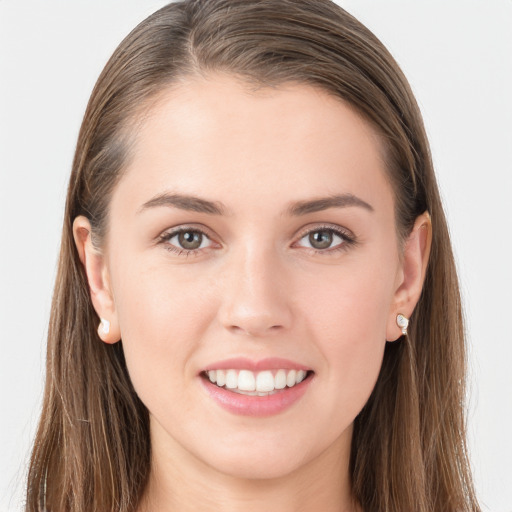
{"x": 287, "y": 259}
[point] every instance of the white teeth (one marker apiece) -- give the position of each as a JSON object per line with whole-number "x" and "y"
{"x": 231, "y": 379}
{"x": 300, "y": 376}
{"x": 256, "y": 384}
{"x": 246, "y": 381}
{"x": 265, "y": 381}
{"x": 280, "y": 379}
{"x": 221, "y": 378}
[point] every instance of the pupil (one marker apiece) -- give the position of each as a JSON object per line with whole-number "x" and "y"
{"x": 190, "y": 239}
{"x": 320, "y": 239}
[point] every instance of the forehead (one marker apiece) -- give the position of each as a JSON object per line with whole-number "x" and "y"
{"x": 219, "y": 136}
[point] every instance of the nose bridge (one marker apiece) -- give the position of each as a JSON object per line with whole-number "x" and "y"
{"x": 255, "y": 300}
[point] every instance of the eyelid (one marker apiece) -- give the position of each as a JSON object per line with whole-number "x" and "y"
{"x": 348, "y": 238}
{"x": 170, "y": 233}
{"x": 346, "y": 235}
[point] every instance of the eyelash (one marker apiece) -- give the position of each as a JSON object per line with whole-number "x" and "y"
{"x": 348, "y": 240}
{"x": 165, "y": 237}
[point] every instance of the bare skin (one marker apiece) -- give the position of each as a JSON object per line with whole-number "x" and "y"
{"x": 257, "y": 285}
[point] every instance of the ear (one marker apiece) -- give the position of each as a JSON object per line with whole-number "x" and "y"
{"x": 412, "y": 274}
{"x": 98, "y": 278}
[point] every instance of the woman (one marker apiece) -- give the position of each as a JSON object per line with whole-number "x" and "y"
{"x": 256, "y": 303}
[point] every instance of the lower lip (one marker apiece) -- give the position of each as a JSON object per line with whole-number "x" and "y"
{"x": 256, "y": 405}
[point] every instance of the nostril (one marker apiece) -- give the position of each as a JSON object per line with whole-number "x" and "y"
{"x": 256, "y": 331}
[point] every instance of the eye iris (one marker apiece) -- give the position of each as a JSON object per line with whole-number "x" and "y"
{"x": 190, "y": 239}
{"x": 320, "y": 239}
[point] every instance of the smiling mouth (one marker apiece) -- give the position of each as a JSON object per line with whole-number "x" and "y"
{"x": 262, "y": 383}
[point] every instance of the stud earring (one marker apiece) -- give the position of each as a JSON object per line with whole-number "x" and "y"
{"x": 105, "y": 326}
{"x": 402, "y": 322}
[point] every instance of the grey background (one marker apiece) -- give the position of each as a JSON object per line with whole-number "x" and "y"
{"x": 457, "y": 56}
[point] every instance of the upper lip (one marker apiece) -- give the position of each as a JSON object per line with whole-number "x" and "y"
{"x": 243, "y": 363}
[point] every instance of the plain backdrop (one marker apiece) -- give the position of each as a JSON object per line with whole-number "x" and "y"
{"x": 458, "y": 58}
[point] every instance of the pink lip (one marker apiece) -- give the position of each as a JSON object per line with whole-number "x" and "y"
{"x": 256, "y": 405}
{"x": 242, "y": 363}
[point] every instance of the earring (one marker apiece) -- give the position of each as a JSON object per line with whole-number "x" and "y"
{"x": 105, "y": 326}
{"x": 402, "y": 322}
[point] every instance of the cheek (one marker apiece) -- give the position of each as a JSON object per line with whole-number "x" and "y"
{"x": 348, "y": 318}
{"x": 160, "y": 303}
{"x": 161, "y": 315}
{"x": 350, "y": 306}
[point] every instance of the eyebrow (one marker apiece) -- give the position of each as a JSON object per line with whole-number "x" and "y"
{"x": 323, "y": 203}
{"x": 185, "y": 202}
{"x": 295, "y": 209}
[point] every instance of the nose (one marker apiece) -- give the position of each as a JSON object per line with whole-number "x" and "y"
{"x": 256, "y": 298}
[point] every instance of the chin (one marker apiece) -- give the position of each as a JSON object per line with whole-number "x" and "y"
{"x": 265, "y": 468}
{"x": 261, "y": 459}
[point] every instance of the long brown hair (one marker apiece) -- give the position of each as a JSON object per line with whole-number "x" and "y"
{"x": 92, "y": 450}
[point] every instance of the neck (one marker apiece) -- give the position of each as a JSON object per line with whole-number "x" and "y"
{"x": 320, "y": 484}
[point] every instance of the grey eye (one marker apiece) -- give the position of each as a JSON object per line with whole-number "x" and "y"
{"x": 190, "y": 240}
{"x": 321, "y": 239}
